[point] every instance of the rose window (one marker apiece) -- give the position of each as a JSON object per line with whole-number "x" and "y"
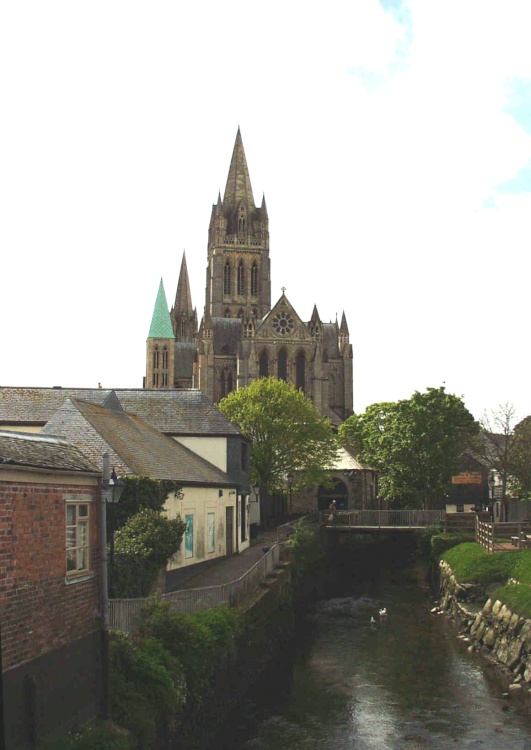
{"x": 283, "y": 323}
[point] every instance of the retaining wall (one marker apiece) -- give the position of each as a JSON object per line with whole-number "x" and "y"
{"x": 490, "y": 627}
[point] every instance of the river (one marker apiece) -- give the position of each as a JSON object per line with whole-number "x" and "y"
{"x": 401, "y": 683}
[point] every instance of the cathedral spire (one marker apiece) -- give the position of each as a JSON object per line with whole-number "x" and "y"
{"x": 238, "y": 189}
{"x": 183, "y": 315}
{"x": 183, "y": 298}
{"x": 161, "y": 327}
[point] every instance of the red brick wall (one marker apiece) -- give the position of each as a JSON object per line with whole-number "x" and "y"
{"x": 40, "y": 611}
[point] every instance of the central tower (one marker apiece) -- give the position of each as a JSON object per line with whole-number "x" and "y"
{"x": 238, "y": 283}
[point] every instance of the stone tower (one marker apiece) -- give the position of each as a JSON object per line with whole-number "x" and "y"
{"x": 241, "y": 337}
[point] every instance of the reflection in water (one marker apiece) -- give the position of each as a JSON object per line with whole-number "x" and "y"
{"x": 404, "y": 682}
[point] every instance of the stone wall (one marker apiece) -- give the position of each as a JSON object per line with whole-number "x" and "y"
{"x": 489, "y": 627}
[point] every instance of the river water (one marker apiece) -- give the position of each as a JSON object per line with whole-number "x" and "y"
{"x": 404, "y": 683}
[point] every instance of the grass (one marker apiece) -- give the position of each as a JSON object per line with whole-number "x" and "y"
{"x": 471, "y": 563}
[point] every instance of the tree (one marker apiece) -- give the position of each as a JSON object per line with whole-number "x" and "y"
{"x": 142, "y": 492}
{"x": 519, "y": 459}
{"x": 288, "y": 436}
{"x": 143, "y": 546}
{"x": 497, "y": 429}
{"x": 414, "y": 443}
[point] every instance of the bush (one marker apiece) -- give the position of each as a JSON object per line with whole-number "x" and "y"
{"x": 94, "y": 735}
{"x": 442, "y": 542}
{"x": 307, "y": 552}
{"x": 199, "y": 642}
{"x": 150, "y": 536}
{"x": 147, "y": 686}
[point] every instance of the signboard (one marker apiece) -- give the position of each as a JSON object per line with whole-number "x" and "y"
{"x": 473, "y": 477}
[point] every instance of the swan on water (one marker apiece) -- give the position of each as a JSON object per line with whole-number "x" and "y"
{"x": 383, "y": 612}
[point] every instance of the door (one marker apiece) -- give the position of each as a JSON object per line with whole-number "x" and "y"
{"x": 229, "y": 531}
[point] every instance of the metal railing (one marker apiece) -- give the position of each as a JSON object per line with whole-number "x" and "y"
{"x": 382, "y": 518}
{"x": 123, "y": 612}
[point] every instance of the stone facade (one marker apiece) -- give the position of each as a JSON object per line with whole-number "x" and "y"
{"x": 241, "y": 337}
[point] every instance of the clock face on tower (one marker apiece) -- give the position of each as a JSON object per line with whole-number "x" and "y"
{"x": 283, "y": 323}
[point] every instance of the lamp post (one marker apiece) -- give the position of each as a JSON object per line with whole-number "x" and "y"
{"x": 289, "y": 480}
{"x": 492, "y": 483}
{"x": 113, "y": 494}
{"x": 110, "y": 492}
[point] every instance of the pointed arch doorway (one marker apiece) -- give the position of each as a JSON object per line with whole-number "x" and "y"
{"x": 337, "y": 492}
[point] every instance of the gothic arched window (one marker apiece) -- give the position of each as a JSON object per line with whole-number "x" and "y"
{"x": 282, "y": 365}
{"x": 241, "y": 278}
{"x": 263, "y": 365}
{"x": 156, "y": 358}
{"x": 254, "y": 280}
{"x": 164, "y": 357}
{"x": 226, "y": 278}
{"x": 300, "y": 372}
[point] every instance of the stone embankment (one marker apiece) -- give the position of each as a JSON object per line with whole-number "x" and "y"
{"x": 489, "y": 627}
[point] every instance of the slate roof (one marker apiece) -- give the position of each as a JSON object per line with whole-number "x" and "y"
{"x": 172, "y": 411}
{"x": 133, "y": 446}
{"x": 44, "y": 452}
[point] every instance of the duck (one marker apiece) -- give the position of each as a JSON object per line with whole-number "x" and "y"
{"x": 373, "y": 621}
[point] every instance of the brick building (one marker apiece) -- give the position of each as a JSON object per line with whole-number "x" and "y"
{"x": 242, "y": 337}
{"x": 49, "y": 587}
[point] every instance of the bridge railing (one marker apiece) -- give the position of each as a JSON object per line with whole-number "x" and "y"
{"x": 382, "y": 518}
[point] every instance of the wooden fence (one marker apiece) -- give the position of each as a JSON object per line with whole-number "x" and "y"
{"x": 500, "y": 536}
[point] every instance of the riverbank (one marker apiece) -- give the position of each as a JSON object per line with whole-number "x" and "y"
{"x": 502, "y": 637}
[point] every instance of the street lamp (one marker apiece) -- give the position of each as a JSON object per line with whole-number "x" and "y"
{"x": 111, "y": 490}
{"x": 289, "y": 480}
{"x": 113, "y": 494}
{"x": 492, "y": 483}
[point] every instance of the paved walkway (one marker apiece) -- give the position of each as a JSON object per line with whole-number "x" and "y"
{"x": 227, "y": 569}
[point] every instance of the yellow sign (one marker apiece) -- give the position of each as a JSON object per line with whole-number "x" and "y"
{"x": 473, "y": 477}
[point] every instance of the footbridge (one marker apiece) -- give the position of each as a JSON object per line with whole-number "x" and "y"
{"x": 360, "y": 521}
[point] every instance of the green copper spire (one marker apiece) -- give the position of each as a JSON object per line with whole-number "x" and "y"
{"x": 160, "y": 322}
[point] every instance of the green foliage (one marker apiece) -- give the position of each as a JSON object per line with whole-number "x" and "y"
{"x": 94, "y": 735}
{"x": 286, "y": 431}
{"x": 197, "y": 641}
{"x": 150, "y": 536}
{"x": 147, "y": 686}
{"x": 442, "y": 542}
{"x": 142, "y": 492}
{"x": 131, "y": 577}
{"x": 519, "y": 459}
{"x": 415, "y": 443}
{"x": 307, "y": 551}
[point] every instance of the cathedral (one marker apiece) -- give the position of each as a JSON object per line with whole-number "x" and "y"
{"x": 241, "y": 337}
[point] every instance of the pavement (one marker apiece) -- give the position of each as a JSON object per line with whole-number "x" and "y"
{"x": 227, "y": 569}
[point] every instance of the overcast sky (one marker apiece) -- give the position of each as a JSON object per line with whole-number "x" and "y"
{"x": 392, "y": 141}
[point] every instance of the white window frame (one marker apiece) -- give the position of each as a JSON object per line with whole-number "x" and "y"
{"x": 77, "y": 539}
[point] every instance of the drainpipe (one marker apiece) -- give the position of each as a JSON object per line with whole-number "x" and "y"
{"x": 105, "y": 652}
